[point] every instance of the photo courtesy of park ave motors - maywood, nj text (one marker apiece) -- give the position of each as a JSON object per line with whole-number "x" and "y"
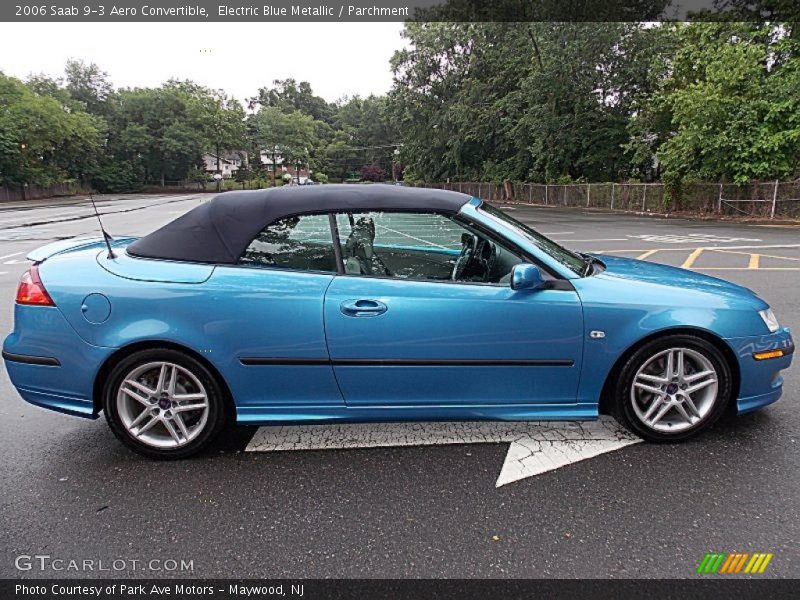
{"x": 378, "y": 300}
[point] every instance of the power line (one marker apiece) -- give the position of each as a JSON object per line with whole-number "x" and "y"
{"x": 367, "y": 147}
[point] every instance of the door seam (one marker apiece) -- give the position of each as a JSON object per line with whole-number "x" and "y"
{"x": 325, "y": 333}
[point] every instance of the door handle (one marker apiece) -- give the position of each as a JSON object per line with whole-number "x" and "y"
{"x": 363, "y": 308}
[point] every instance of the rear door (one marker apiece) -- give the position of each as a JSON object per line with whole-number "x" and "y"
{"x": 268, "y": 315}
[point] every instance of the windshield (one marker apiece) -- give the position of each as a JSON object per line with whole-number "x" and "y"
{"x": 571, "y": 260}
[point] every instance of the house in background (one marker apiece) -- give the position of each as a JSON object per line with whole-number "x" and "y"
{"x": 265, "y": 157}
{"x": 229, "y": 162}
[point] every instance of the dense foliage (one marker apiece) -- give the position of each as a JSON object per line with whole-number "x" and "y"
{"x": 44, "y": 139}
{"x": 555, "y": 102}
{"x": 729, "y": 106}
{"x": 539, "y": 101}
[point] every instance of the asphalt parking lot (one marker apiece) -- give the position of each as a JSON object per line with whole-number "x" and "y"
{"x": 71, "y": 491}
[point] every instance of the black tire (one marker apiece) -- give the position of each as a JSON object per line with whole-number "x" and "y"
{"x": 217, "y": 403}
{"x": 623, "y": 403}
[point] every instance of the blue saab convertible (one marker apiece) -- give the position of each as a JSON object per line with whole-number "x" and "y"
{"x": 377, "y": 303}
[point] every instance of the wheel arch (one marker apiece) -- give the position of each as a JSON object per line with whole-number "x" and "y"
{"x": 120, "y": 354}
{"x": 604, "y": 406}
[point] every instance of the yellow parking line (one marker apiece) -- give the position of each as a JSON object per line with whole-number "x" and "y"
{"x": 687, "y": 264}
{"x": 647, "y": 254}
{"x": 754, "y": 261}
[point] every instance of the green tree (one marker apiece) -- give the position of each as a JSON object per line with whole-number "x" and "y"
{"x": 288, "y": 135}
{"x": 290, "y": 96}
{"x": 518, "y": 100}
{"x": 163, "y": 132}
{"x": 729, "y": 108}
{"x": 41, "y": 142}
{"x": 154, "y": 120}
{"x": 222, "y": 121}
{"x": 43, "y": 85}
{"x": 363, "y": 135}
{"x": 87, "y": 84}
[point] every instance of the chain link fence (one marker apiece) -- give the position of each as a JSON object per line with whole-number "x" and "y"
{"x": 758, "y": 199}
{"x": 767, "y": 199}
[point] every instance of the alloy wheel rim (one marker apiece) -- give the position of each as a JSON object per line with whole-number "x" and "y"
{"x": 674, "y": 390}
{"x": 162, "y": 405}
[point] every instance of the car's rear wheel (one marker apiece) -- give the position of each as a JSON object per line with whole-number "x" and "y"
{"x": 673, "y": 388}
{"x": 163, "y": 404}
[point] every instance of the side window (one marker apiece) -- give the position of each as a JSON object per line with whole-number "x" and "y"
{"x": 300, "y": 243}
{"x": 420, "y": 246}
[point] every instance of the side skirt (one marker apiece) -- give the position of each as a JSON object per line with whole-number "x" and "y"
{"x": 292, "y": 415}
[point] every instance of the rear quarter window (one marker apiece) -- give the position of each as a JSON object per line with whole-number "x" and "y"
{"x": 300, "y": 243}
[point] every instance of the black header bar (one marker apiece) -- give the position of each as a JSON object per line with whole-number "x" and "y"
{"x": 149, "y": 11}
{"x": 394, "y": 589}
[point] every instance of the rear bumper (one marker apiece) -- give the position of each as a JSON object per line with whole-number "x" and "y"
{"x": 77, "y": 407}
{"x": 761, "y": 380}
{"x": 50, "y": 364}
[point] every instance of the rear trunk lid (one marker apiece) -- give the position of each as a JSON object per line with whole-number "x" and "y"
{"x": 123, "y": 265}
{"x": 72, "y": 245}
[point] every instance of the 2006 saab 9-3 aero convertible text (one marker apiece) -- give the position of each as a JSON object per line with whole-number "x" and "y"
{"x": 369, "y": 303}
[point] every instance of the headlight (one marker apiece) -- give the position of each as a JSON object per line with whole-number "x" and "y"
{"x": 769, "y": 320}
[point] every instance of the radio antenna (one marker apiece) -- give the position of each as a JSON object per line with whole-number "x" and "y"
{"x": 106, "y": 237}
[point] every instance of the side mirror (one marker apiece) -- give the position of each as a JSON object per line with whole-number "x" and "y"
{"x": 526, "y": 276}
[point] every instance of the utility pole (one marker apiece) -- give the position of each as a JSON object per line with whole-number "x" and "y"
{"x": 274, "y": 162}
{"x": 774, "y": 199}
{"x": 219, "y": 169}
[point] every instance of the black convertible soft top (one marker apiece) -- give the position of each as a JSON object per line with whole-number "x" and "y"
{"x": 219, "y": 231}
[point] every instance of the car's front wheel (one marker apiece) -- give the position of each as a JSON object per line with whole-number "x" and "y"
{"x": 163, "y": 404}
{"x": 673, "y": 388}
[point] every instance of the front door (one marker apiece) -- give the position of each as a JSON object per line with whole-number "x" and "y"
{"x": 445, "y": 328}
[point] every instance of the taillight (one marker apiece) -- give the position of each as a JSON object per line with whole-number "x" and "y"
{"x": 31, "y": 289}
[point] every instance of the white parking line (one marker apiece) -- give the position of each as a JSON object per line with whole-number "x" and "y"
{"x": 10, "y": 255}
{"x": 762, "y": 255}
{"x": 691, "y": 237}
{"x": 411, "y": 237}
{"x": 595, "y": 240}
{"x": 695, "y": 248}
{"x": 751, "y": 247}
{"x": 746, "y": 269}
{"x": 535, "y": 447}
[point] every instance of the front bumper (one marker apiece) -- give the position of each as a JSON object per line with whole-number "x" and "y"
{"x": 761, "y": 382}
